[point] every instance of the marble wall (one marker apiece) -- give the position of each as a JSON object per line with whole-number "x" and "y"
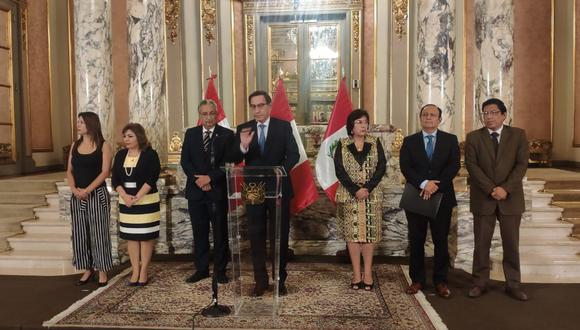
{"x": 436, "y": 57}
{"x": 93, "y": 61}
{"x": 146, "y": 31}
{"x": 493, "y": 55}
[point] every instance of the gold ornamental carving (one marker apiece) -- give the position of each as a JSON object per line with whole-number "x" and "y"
{"x": 254, "y": 193}
{"x": 172, "y": 18}
{"x": 175, "y": 143}
{"x": 400, "y": 14}
{"x": 5, "y": 150}
{"x": 397, "y": 141}
{"x": 250, "y": 33}
{"x": 258, "y": 6}
{"x": 356, "y": 30}
{"x": 208, "y": 18}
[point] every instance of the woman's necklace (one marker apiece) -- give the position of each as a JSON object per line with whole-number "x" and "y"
{"x": 131, "y": 163}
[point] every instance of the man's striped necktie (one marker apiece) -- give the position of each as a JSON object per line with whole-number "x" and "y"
{"x": 206, "y": 138}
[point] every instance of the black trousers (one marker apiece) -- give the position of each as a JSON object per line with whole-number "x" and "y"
{"x": 417, "y": 226}
{"x": 260, "y": 219}
{"x": 202, "y": 213}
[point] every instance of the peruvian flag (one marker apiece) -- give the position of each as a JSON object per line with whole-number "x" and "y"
{"x": 335, "y": 131}
{"x": 211, "y": 94}
{"x": 305, "y": 191}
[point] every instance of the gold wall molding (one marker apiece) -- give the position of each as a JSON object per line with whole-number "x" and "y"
{"x": 356, "y": 30}
{"x": 400, "y": 14}
{"x": 250, "y": 33}
{"x": 172, "y": 18}
{"x": 208, "y": 18}
{"x": 258, "y": 6}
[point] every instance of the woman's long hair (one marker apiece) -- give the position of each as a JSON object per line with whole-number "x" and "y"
{"x": 93, "y": 125}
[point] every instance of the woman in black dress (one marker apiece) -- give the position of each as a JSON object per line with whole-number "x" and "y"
{"x": 135, "y": 173}
{"x": 89, "y": 165}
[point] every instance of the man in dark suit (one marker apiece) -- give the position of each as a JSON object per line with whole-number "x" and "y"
{"x": 267, "y": 141}
{"x": 202, "y": 155}
{"x": 429, "y": 161}
{"x": 496, "y": 157}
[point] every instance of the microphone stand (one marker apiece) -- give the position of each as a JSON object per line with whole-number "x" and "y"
{"x": 215, "y": 309}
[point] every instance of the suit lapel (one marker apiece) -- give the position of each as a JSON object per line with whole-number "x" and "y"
{"x": 420, "y": 144}
{"x": 269, "y": 136}
{"x": 504, "y": 139}
{"x": 254, "y": 143}
{"x": 199, "y": 138}
{"x": 437, "y": 146}
{"x": 486, "y": 137}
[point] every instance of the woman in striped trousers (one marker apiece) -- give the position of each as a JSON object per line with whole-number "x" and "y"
{"x": 89, "y": 165}
{"x": 135, "y": 173}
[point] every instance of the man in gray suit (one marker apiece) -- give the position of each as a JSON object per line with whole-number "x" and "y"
{"x": 496, "y": 157}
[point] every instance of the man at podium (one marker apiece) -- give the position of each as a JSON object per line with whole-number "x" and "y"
{"x": 266, "y": 141}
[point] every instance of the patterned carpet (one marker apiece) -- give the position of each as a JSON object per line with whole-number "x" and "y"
{"x": 319, "y": 297}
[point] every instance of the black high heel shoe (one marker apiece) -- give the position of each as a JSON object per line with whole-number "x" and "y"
{"x": 87, "y": 280}
{"x": 368, "y": 287}
{"x": 356, "y": 286}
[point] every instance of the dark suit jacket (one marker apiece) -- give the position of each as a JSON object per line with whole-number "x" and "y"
{"x": 443, "y": 166}
{"x": 280, "y": 150}
{"x": 486, "y": 171}
{"x": 195, "y": 161}
{"x": 146, "y": 171}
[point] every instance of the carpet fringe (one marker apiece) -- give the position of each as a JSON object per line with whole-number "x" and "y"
{"x": 53, "y": 321}
{"x": 429, "y": 310}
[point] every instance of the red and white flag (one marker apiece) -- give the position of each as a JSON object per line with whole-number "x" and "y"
{"x": 211, "y": 94}
{"x": 335, "y": 131}
{"x": 305, "y": 191}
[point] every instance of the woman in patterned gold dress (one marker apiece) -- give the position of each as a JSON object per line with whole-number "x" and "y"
{"x": 360, "y": 164}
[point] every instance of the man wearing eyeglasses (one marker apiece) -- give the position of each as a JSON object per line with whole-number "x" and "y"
{"x": 496, "y": 157}
{"x": 202, "y": 156}
{"x": 267, "y": 141}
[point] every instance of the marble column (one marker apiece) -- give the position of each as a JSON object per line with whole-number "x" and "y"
{"x": 436, "y": 57}
{"x": 493, "y": 55}
{"x": 93, "y": 64}
{"x": 147, "y": 71}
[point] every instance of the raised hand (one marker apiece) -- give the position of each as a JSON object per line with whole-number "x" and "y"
{"x": 246, "y": 136}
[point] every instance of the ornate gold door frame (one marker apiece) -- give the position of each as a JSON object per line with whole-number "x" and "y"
{"x": 256, "y": 60}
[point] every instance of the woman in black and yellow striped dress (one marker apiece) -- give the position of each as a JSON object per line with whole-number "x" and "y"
{"x": 135, "y": 173}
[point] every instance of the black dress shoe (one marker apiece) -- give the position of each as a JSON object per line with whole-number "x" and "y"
{"x": 222, "y": 278}
{"x": 83, "y": 282}
{"x": 132, "y": 283}
{"x": 198, "y": 276}
{"x": 282, "y": 290}
{"x": 516, "y": 293}
{"x": 259, "y": 290}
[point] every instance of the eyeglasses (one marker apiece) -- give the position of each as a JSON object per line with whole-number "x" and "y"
{"x": 361, "y": 122}
{"x": 208, "y": 114}
{"x": 257, "y": 106}
{"x": 490, "y": 113}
